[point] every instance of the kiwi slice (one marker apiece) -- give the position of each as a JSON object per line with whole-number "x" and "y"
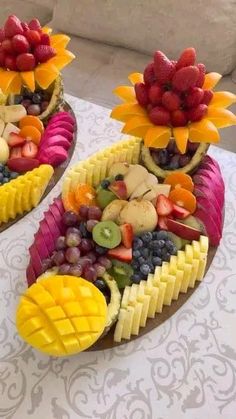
{"x": 121, "y": 272}
{"x": 105, "y": 197}
{"x": 176, "y": 240}
{"x": 107, "y": 234}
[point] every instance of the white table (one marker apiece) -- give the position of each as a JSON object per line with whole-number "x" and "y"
{"x": 186, "y": 368}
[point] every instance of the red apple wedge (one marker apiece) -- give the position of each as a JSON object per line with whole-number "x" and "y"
{"x": 182, "y": 230}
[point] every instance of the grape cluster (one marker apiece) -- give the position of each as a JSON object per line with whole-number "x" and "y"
{"x": 76, "y": 253}
{"x": 149, "y": 251}
{"x": 170, "y": 158}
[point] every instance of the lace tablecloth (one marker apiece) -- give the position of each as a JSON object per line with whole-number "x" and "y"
{"x": 186, "y": 368}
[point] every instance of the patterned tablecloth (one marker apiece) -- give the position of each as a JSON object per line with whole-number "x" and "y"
{"x": 186, "y": 368}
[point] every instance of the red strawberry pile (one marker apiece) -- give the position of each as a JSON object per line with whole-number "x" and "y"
{"x": 23, "y": 45}
{"x": 172, "y": 91}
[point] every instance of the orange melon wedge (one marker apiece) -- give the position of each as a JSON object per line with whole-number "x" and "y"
{"x": 125, "y": 111}
{"x": 28, "y": 79}
{"x": 211, "y": 80}
{"x": 136, "y": 78}
{"x": 62, "y": 59}
{"x": 45, "y": 74}
{"x": 137, "y": 126}
{"x": 125, "y": 93}
{"x": 15, "y": 85}
{"x": 223, "y": 99}
{"x": 47, "y": 30}
{"x": 59, "y": 40}
{"x": 6, "y": 79}
{"x": 203, "y": 131}
{"x": 220, "y": 117}
{"x": 157, "y": 137}
{"x": 181, "y": 135}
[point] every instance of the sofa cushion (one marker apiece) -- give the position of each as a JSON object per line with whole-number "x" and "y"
{"x": 170, "y": 25}
{"x": 26, "y": 10}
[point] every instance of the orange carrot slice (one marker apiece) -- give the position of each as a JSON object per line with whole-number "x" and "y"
{"x": 184, "y": 198}
{"x": 85, "y": 195}
{"x": 31, "y": 133}
{"x": 179, "y": 180}
{"x": 31, "y": 120}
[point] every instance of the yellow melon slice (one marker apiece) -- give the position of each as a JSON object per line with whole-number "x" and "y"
{"x": 45, "y": 74}
{"x": 211, "y": 80}
{"x": 181, "y": 135}
{"x": 203, "y": 131}
{"x": 28, "y": 79}
{"x": 157, "y": 137}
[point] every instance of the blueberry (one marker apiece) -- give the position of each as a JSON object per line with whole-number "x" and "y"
{"x": 147, "y": 237}
{"x": 136, "y": 278}
{"x": 166, "y": 257}
{"x": 141, "y": 260}
{"x": 105, "y": 183}
{"x": 157, "y": 252}
{"x": 163, "y": 157}
{"x": 84, "y": 232}
{"x": 164, "y": 251}
{"x": 119, "y": 177}
{"x": 170, "y": 247}
{"x": 1, "y": 177}
{"x": 100, "y": 250}
{"x": 18, "y": 99}
{"x": 151, "y": 266}
{"x": 6, "y": 172}
{"x": 5, "y": 180}
{"x": 136, "y": 254}
{"x": 135, "y": 265}
{"x": 14, "y": 175}
{"x": 145, "y": 269}
{"x": 137, "y": 243}
{"x": 174, "y": 163}
{"x": 155, "y": 244}
{"x": 100, "y": 284}
{"x": 156, "y": 261}
{"x": 1, "y": 167}
{"x": 36, "y": 98}
{"x": 145, "y": 252}
{"x": 161, "y": 235}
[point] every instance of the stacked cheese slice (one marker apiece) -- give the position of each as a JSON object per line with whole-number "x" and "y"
{"x": 144, "y": 300}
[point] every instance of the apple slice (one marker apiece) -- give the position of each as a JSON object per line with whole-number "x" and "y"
{"x": 22, "y": 164}
{"x": 50, "y": 132}
{"x": 182, "y": 230}
{"x": 118, "y": 187}
{"x": 210, "y": 226}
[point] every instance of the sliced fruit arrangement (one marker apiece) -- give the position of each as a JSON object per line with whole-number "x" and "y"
{"x": 173, "y": 107}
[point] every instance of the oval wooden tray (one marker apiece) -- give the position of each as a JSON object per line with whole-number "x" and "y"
{"x": 58, "y": 171}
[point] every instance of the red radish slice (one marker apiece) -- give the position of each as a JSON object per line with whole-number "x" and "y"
{"x": 22, "y": 164}
{"x": 61, "y": 124}
{"x": 55, "y": 140}
{"x": 50, "y": 132}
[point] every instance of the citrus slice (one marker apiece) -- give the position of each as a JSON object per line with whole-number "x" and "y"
{"x": 31, "y": 120}
{"x": 85, "y": 195}
{"x": 157, "y": 137}
{"x": 30, "y": 133}
{"x": 59, "y": 40}
{"x": 70, "y": 203}
{"x": 211, "y": 80}
{"x": 28, "y": 79}
{"x": 179, "y": 180}
{"x": 184, "y": 198}
{"x": 45, "y": 74}
{"x": 126, "y": 93}
{"x": 136, "y": 78}
{"x": 181, "y": 135}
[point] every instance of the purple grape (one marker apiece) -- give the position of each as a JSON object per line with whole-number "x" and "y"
{"x": 100, "y": 269}
{"x": 72, "y": 230}
{"x": 163, "y": 157}
{"x": 61, "y": 243}
{"x": 33, "y": 110}
{"x": 83, "y": 230}
{"x": 70, "y": 218}
{"x": 64, "y": 269}
{"x": 73, "y": 239}
{"x": 105, "y": 262}
{"x": 92, "y": 256}
{"x": 91, "y": 224}
{"x": 94, "y": 213}
{"x": 155, "y": 156}
{"x": 171, "y": 146}
{"x": 44, "y": 105}
{"x": 174, "y": 163}
{"x": 84, "y": 262}
{"x": 86, "y": 245}
{"x": 59, "y": 258}
{"x": 192, "y": 147}
{"x": 90, "y": 273}
{"x": 184, "y": 160}
{"x": 76, "y": 270}
{"x": 100, "y": 284}
{"x": 72, "y": 254}
{"x": 26, "y": 103}
{"x": 46, "y": 264}
{"x": 83, "y": 211}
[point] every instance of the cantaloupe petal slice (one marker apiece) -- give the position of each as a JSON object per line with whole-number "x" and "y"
{"x": 59, "y": 40}
{"x": 45, "y": 74}
{"x": 211, "y": 80}
{"x": 137, "y": 126}
{"x": 15, "y": 85}
{"x": 157, "y": 137}
{"x": 222, "y": 99}
{"x": 136, "y": 78}
{"x": 203, "y": 131}
{"x": 181, "y": 135}
{"x": 221, "y": 117}
{"x": 126, "y": 93}
{"x": 6, "y": 78}
{"x": 47, "y": 30}
{"x": 28, "y": 79}
{"x": 125, "y": 111}
{"x": 62, "y": 58}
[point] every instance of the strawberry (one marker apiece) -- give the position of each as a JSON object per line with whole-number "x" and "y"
{"x": 13, "y": 27}
{"x": 141, "y": 92}
{"x": 121, "y": 253}
{"x": 2, "y": 34}
{"x": 195, "y": 95}
{"x": 163, "y": 205}
{"x": 185, "y": 78}
{"x": 29, "y": 150}
{"x": 25, "y": 26}
{"x": 35, "y": 25}
{"x": 7, "y": 46}
{"x": 43, "y": 53}
{"x": 15, "y": 153}
{"x": 187, "y": 58}
{"x": 127, "y": 235}
{"x": 162, "y": 222}
{"x": 180, "y": 212}
{"x": 25, "y": 62}
{"x": 155, "y": 93}
{"x": 159, "y": 116}
{"x": 20, "y": 44}
{"x": 45, "y": 39}
{"x": 33, "y": 37}
{"x": 178, "y": 118}
{"x": 15, "y": 140}
{"x": 149, "y": 75}
{"x": 171, "y": 101}
{"x": 163, "y": 67}
{"x": 10, "y": 62}
{"x": 207, "y": 96}
{"x": 201, "y": 77}
{"x": 196, "y": 114}
{"x": 2, "y": 58}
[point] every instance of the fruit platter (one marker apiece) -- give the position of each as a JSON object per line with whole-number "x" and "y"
{"x": 132, "y": 234}
{"x": 37, "y": 128}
